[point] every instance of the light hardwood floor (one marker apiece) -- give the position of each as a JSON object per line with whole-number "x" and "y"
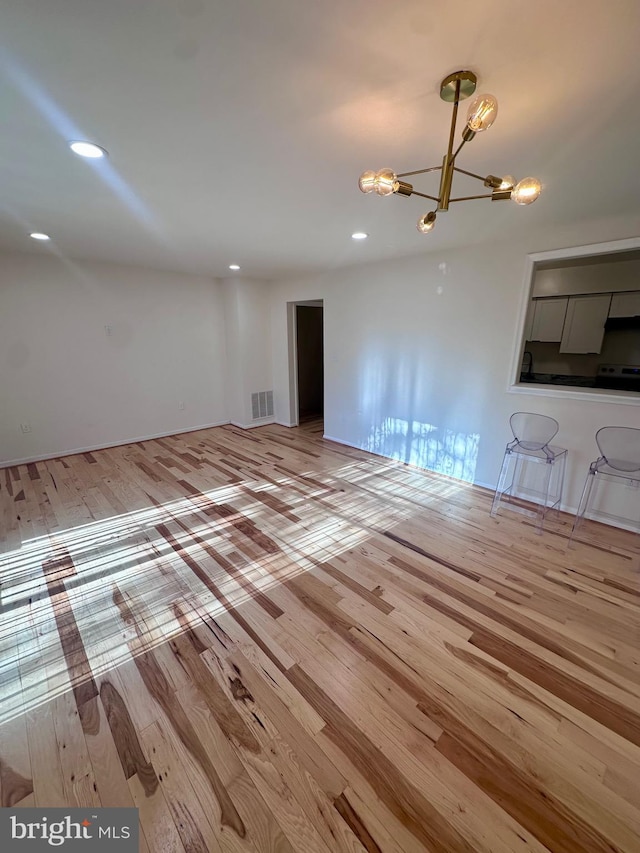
{"x": 269, "y": 642}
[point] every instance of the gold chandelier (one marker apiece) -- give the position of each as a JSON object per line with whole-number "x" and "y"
{"x": 481, "y": 115}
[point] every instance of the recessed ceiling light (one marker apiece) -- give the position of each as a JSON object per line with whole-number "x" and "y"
{"x": 234, "y": 267}
{"x": 359, "y": 235}
{"x": 87, "y": 149}
{"x": 38, "y": 235}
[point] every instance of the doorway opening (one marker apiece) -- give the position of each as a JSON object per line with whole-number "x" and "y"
{"x": 308, "y": 360}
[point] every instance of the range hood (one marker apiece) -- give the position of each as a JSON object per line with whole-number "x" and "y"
{"x": 617, "y": 323}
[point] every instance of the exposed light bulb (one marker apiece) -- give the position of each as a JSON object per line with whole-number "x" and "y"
{"x": 482, "y": 113}
{"x": 427, "y": 222}
{"x": 526, "y": 191}
{"x": 234, "y": 266}
{"x": 38, "y": 235}
{"x": 508, "y": 182}
{"x": 386, "y": 182}
{"x": 367, "y": 181}
{"x": 359, "y": 235}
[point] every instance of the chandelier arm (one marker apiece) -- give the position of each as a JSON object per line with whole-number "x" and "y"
{"x": 471, "y": 174}
{"x": 459, "y": 149}
{"x": 419, "y": 172}
{"x": 424, "y": 195}
{"x": 469, "y": 197}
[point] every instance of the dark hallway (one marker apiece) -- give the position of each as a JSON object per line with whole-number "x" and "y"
{"x": 310, "y": 361}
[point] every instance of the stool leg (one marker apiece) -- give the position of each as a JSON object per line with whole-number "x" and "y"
{"x": 563, "y": 462}
{"x": 517, "y": 473}
{"x": 501, "y": 481}
{"x": 585, "y": 497}
{"x": 636, "y": 485}
{"x": 543, "y": 509}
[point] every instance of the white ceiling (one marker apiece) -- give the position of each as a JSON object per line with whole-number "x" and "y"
{"x": 237, "y": 130}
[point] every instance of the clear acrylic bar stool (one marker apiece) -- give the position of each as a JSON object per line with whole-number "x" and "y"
{"x": 619, "y": 461}
{"x": 532, "y": 434}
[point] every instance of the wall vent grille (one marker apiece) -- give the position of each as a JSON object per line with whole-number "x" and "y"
{"x": 261, "y": 405}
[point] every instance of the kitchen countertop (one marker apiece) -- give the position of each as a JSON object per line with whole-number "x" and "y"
{"x": 566, "y": 380}
{"x": 559, "y": 379}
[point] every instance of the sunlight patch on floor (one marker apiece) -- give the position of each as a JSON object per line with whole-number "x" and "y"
{"x": 128, "y": 552}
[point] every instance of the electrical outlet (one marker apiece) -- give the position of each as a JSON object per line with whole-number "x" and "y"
{"x": 108, "y": 330}
{"x": 26, "y": 428}
{"x": 181, "y": 405}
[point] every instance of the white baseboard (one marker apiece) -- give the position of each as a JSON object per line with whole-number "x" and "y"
{"x": 611, "y": 520}
{"x": 263, "y": 422}
{"x": 62, "y": 453}
{"x": 491, "y": 487}
{"x": 601, "y": 517}
{"x": 349, "y": 444}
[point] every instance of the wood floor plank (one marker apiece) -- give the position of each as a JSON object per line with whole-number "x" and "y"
{"x": 336, "y": 823}
{"x": 156, "y": 820}
{"x": 279, "y": 800}
{"x": 189, "y": 816}
{"x": 16, "y": 781}
{"x": 77, "y": 771}
{"x": 44, "y": 751}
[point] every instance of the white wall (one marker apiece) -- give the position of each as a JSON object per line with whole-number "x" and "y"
{"x": 418, "y": 353}
{"x": 248, "y": 328}
{"x": 78, "y": 387}
{"x": 234, "y": 381}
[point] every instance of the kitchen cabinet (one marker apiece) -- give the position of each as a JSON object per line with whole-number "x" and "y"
{"x": 625, "y": 304}
{"x": 547, "y": 319}
{"x": 584, "y": 323}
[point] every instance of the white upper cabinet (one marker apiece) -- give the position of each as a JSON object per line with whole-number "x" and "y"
{"x": 547, "y": 319}
{"x": 625, "y": 304}
{"x": 584, "y": 323}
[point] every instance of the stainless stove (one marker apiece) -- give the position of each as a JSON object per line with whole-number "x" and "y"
{"x": 621, "y": 377}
